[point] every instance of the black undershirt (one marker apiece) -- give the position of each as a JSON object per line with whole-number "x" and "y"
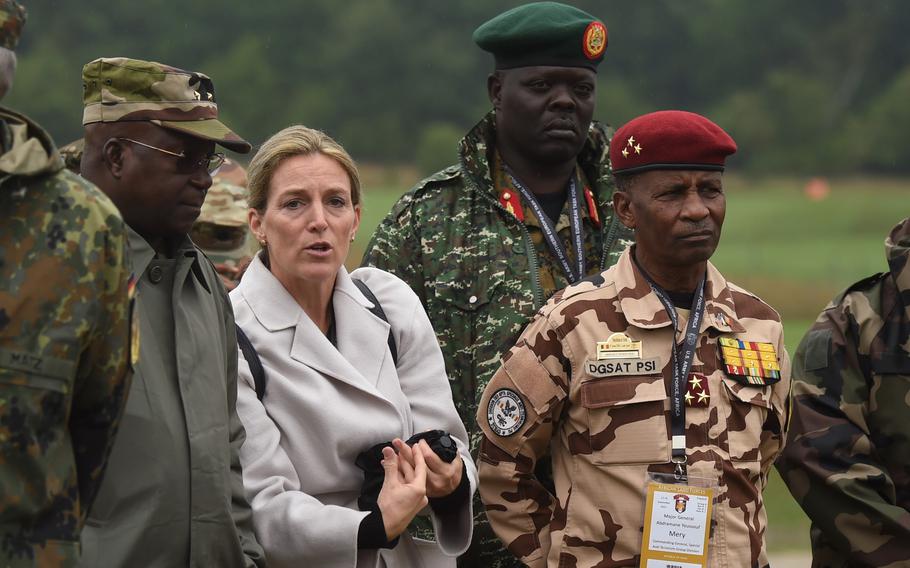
{"x": 682, "y": 300}
{"x": 552, "y": 203}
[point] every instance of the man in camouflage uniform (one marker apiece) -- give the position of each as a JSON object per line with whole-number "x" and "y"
{"x": 472, "y": 245}
{"x": 593, "y": 379}
{"x": 222, "y": 231}
{"x": 64, "y": 336}
{"x": 847, "y": 460}
{"x": 173, "y": 494}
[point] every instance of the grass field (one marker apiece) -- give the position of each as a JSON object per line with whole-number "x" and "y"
{"x": 793, "y": 252}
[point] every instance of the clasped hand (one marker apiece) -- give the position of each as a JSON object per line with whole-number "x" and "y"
{"x": 412, "y": 475}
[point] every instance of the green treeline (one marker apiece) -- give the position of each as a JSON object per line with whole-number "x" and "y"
{"x": 809, "y": 87}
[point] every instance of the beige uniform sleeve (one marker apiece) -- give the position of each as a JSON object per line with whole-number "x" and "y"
{"x": 772, "y": 441}
{"x": 517, "y": 415}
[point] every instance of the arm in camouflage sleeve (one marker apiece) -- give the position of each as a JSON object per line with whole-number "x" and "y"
{"x": 774, "y": 437}
{"x": 830, "y": 463}
{"x": 104, "y": 369}
{"x": 518, "y": 505}
{"x": 395, "y": 246}
{"x": 241, "y": 512}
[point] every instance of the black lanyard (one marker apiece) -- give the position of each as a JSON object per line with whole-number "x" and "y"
{"x": 549, "y": 231}
{"x": 682, "y": 362}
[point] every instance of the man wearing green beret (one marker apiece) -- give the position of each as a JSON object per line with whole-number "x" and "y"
{"x": 173, "y": 493}
{"x": 525, "y": 212}
{"x": 65, "y": 314}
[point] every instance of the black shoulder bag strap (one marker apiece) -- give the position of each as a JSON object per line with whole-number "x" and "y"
{"x": 377, "y": 311}
{"x": 252, "y": 359}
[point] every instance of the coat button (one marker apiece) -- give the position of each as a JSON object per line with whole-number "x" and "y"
{"x": 472, "y": 300}
{"x": 155, "y": 274}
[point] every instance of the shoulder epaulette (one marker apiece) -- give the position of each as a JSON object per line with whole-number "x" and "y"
{"x": 446, "y": 174}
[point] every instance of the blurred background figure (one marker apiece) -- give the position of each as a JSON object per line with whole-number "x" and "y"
{"x": 221, "y": 230}
{"x": 72, "y": 155}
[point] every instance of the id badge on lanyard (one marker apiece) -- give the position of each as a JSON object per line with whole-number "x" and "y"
{"x": 678, "y": 507}
{"x": 677, "y": 528}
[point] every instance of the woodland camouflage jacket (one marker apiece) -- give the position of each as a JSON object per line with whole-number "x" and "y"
{"x": 64, "y": 346}
{"x": 848, "y": 458}
{"x": 474, "y": 264}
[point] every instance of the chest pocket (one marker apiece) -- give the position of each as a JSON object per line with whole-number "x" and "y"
{"x": 627, "y": 419}
{"x": 749, "y": 407}
{"x": 470, "y": 283}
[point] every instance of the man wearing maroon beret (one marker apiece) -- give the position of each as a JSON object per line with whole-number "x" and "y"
{"x": 659, "y": 388}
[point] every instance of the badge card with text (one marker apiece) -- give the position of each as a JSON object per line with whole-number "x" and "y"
{"x": 677, "y": 526}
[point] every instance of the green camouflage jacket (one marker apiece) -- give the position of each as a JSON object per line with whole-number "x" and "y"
{"x": 472, "y": 263}
{"x": 64, "y": 345}
{"x": 847, "y": 461}
{"x": 476, "y": 268}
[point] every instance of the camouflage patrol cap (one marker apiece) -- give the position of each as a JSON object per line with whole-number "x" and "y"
{"x": 231, "y": 172}
{"x": 221, "y": 230}
{"x": 225, "y": 205}
{"x": 120, "y": 89}
{"x": 544, "y": 33}
{"x": 12, "y": 20}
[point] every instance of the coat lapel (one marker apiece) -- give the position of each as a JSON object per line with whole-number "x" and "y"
{"x": 361, "y": 336}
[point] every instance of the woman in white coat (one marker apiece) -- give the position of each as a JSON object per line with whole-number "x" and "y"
{"x": 332, "y": 388}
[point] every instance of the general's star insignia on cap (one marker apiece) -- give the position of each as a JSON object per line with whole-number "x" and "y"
{"x": 750, "y": 362}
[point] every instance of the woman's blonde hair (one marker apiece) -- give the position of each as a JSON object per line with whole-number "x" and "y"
{"x": 297, "y": 140}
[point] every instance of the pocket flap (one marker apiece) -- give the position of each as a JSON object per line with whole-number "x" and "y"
{"x": 750, "y": 394}
{"x": 469, "y": 289}
{"x": 617, "y": 391}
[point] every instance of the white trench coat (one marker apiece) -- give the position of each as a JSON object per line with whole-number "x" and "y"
{"x": 323, "y": 406}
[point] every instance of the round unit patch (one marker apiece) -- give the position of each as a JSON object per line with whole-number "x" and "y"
{"x": 595, "y": 40}
{"x": 506, "y": 412}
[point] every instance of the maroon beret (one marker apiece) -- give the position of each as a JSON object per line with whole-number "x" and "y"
{"x": 670, "y": 140}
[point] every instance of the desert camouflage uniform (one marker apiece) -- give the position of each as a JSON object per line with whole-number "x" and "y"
{"x": 605, "y": 434}
{"x": 481, "y": 273}
{"x": 848, "y": 457}
{"x": 64, "y": 346}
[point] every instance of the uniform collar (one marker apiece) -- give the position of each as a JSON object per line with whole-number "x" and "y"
{"x": 642, "y": 308}
{"x": 142, "y": 254}
{"x": 477, "y": 151}
{"x": 510, "y": 198}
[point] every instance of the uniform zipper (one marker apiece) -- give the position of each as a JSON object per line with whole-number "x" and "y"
{"x": 536, "y": 286}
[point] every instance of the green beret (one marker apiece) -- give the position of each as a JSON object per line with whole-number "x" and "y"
{"x": 118, "y": 89}
{"x": 544, "y": 33}
{"x": 12, "y": 20}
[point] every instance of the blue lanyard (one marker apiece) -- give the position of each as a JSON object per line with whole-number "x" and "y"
{"x": 682, "y": 363}
{"x": 549, "y": 230}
